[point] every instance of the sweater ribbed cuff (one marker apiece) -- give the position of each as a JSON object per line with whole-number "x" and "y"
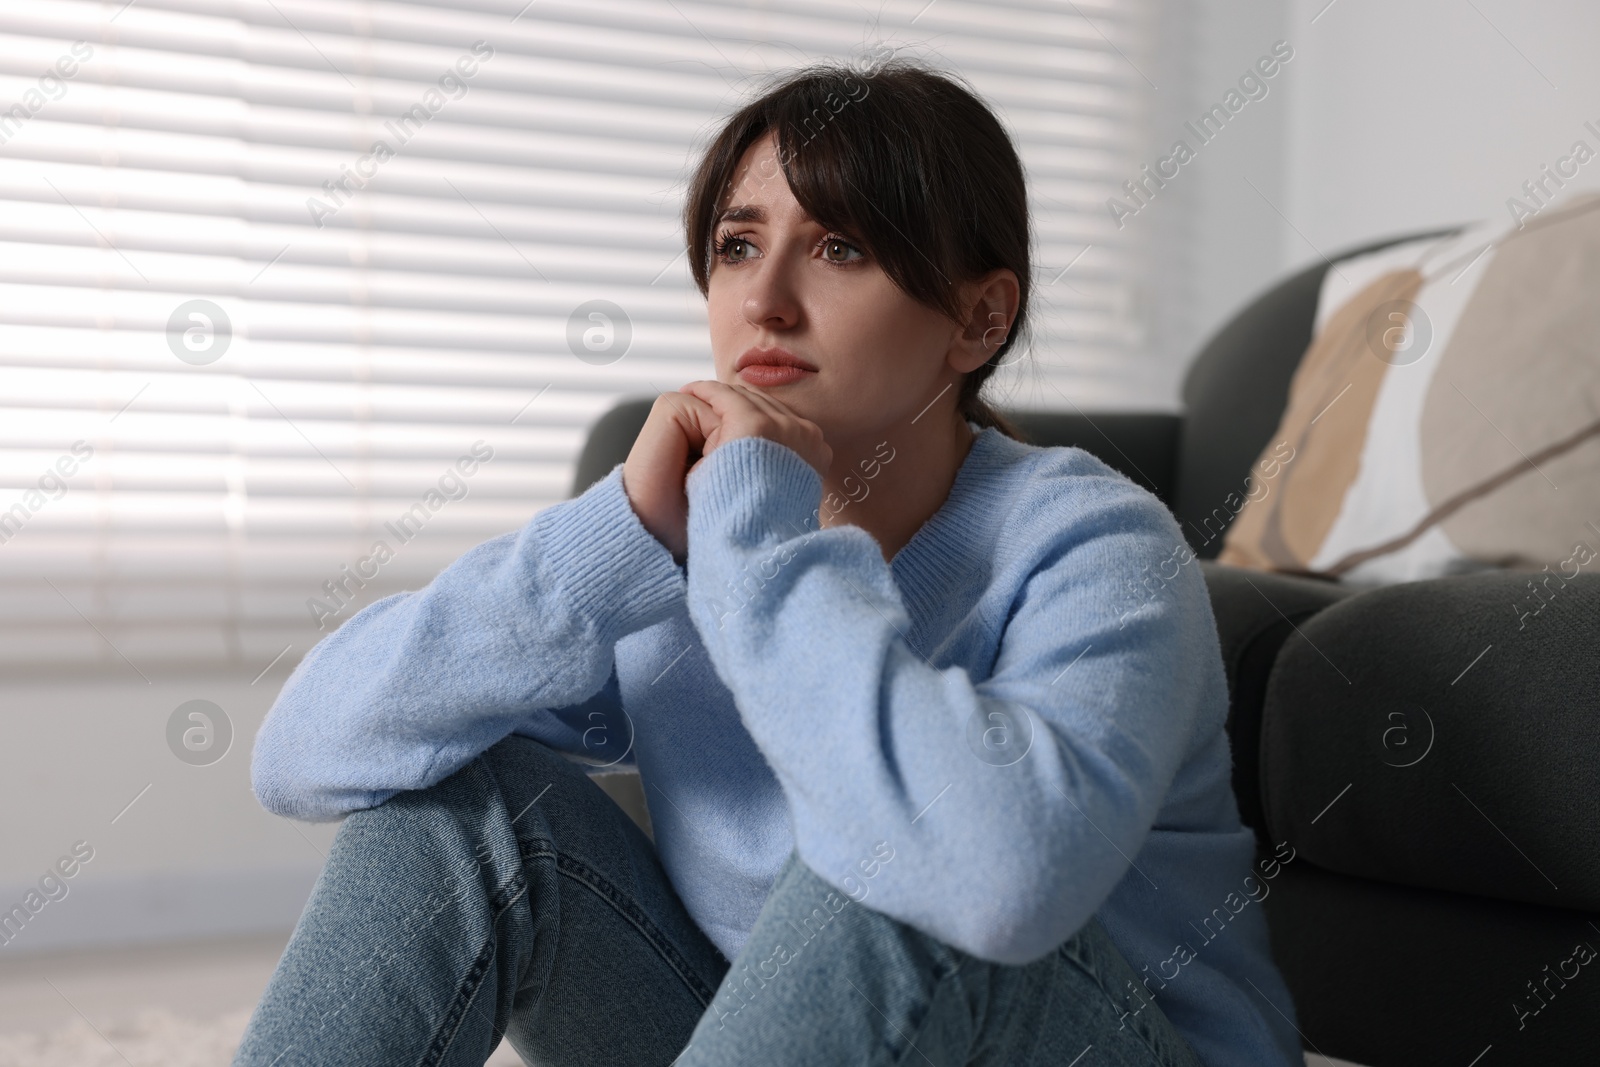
{"x": 613, "y": 569}
{"x": 751, "y": 489}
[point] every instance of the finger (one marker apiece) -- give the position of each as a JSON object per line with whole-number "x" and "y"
{"x": 690, "y": 420}
{"x": 735, "y": 391}
{"x": 680, "y": 400}
{"x": 687, "y": 401}
{"x": 761, "y": 399}
{"x": 713, "y": 426}
{"x": 698, "y": 418}
{"x": 724, "y": 399}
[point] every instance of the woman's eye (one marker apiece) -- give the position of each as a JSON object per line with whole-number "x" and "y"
{"x": 837, "y": 251}
{"x": 735, "y": 249}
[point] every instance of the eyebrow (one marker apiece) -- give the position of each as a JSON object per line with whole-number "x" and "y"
{"x": 750, "y": 213}
{"x": 742, "y": 213}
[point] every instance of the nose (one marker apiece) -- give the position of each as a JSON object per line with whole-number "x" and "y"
{"x": 771, "y": 301}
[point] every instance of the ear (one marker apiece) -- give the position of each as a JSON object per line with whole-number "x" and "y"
{"x": 992, "y": 300}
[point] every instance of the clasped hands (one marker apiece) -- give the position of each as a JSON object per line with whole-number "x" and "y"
{"x": 686, "y": 426}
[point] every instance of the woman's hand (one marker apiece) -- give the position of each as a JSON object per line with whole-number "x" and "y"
{"x": 686, "y": 426}
{"x": 653, "y": 475}
{"x": 743, "y": 411}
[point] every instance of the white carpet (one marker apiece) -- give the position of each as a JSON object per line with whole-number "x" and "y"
{"x": 153, "y": 1038}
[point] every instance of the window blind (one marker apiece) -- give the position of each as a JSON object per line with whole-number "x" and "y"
{"x": 286, "y": 280}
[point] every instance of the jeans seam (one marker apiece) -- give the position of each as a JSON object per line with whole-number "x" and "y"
{"x": 458, "y": 1010}
{"x": 939, "y": 985}
{"x": 1157, "y": 1050}
{"x": 586, "y": 876}
{"x": 500, "y": 901}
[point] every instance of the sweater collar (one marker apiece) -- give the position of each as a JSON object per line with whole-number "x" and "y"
{"x": 959, "y": 536}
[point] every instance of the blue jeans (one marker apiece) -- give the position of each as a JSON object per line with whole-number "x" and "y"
{"x": 516, "y": 899}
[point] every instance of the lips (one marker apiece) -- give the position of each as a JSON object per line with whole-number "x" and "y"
{"x": 772, "y": 366}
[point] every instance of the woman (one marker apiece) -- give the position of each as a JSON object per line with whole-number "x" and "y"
{"x": 928, "y": 784}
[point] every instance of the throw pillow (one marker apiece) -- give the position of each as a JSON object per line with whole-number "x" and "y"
{"x": 1446, "y": 417}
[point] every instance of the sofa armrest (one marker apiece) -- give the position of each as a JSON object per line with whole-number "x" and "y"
{"x": 1444, "y": 734}
{"x": 1255, "y": 612}
{"x": 609, "y": 441}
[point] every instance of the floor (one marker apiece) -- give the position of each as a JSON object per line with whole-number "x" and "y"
{"x": 171, "y": 1006}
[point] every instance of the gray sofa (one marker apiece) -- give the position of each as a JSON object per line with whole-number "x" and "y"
{"x": 1434, "y": 764}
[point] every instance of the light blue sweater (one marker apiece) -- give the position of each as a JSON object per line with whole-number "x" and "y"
{"x": 1026, "y": 706}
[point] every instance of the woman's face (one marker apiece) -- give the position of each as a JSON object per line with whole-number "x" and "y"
{"x": 781, "y": 282}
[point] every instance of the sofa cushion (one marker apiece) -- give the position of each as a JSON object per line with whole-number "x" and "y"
{"x": 1442, "y": 734}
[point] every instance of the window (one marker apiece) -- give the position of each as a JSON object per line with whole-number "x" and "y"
{"x": 288, "y": 280}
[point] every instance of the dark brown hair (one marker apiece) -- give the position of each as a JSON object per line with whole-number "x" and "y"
{"x": 903, "y": 160}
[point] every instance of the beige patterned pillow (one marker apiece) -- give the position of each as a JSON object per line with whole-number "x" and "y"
{"x": 1446, "y": 417}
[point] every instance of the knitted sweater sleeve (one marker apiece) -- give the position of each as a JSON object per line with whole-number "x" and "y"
{"x": 516, "y": 636}
{"x": 1010, "y": 804}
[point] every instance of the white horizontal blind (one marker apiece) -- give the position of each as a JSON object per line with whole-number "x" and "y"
{"x": 224, "y": 378}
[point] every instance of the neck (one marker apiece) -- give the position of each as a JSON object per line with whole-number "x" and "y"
{"x": 892, "y": 481}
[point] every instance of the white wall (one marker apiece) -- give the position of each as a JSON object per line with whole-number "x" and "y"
{"x": 1433, "y": 111}
{"x": 1391, "y": 118}
{"x": 193, "y": 854}
{"x": 1235, "y": 232}
{"x": 1212, "y": 239}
